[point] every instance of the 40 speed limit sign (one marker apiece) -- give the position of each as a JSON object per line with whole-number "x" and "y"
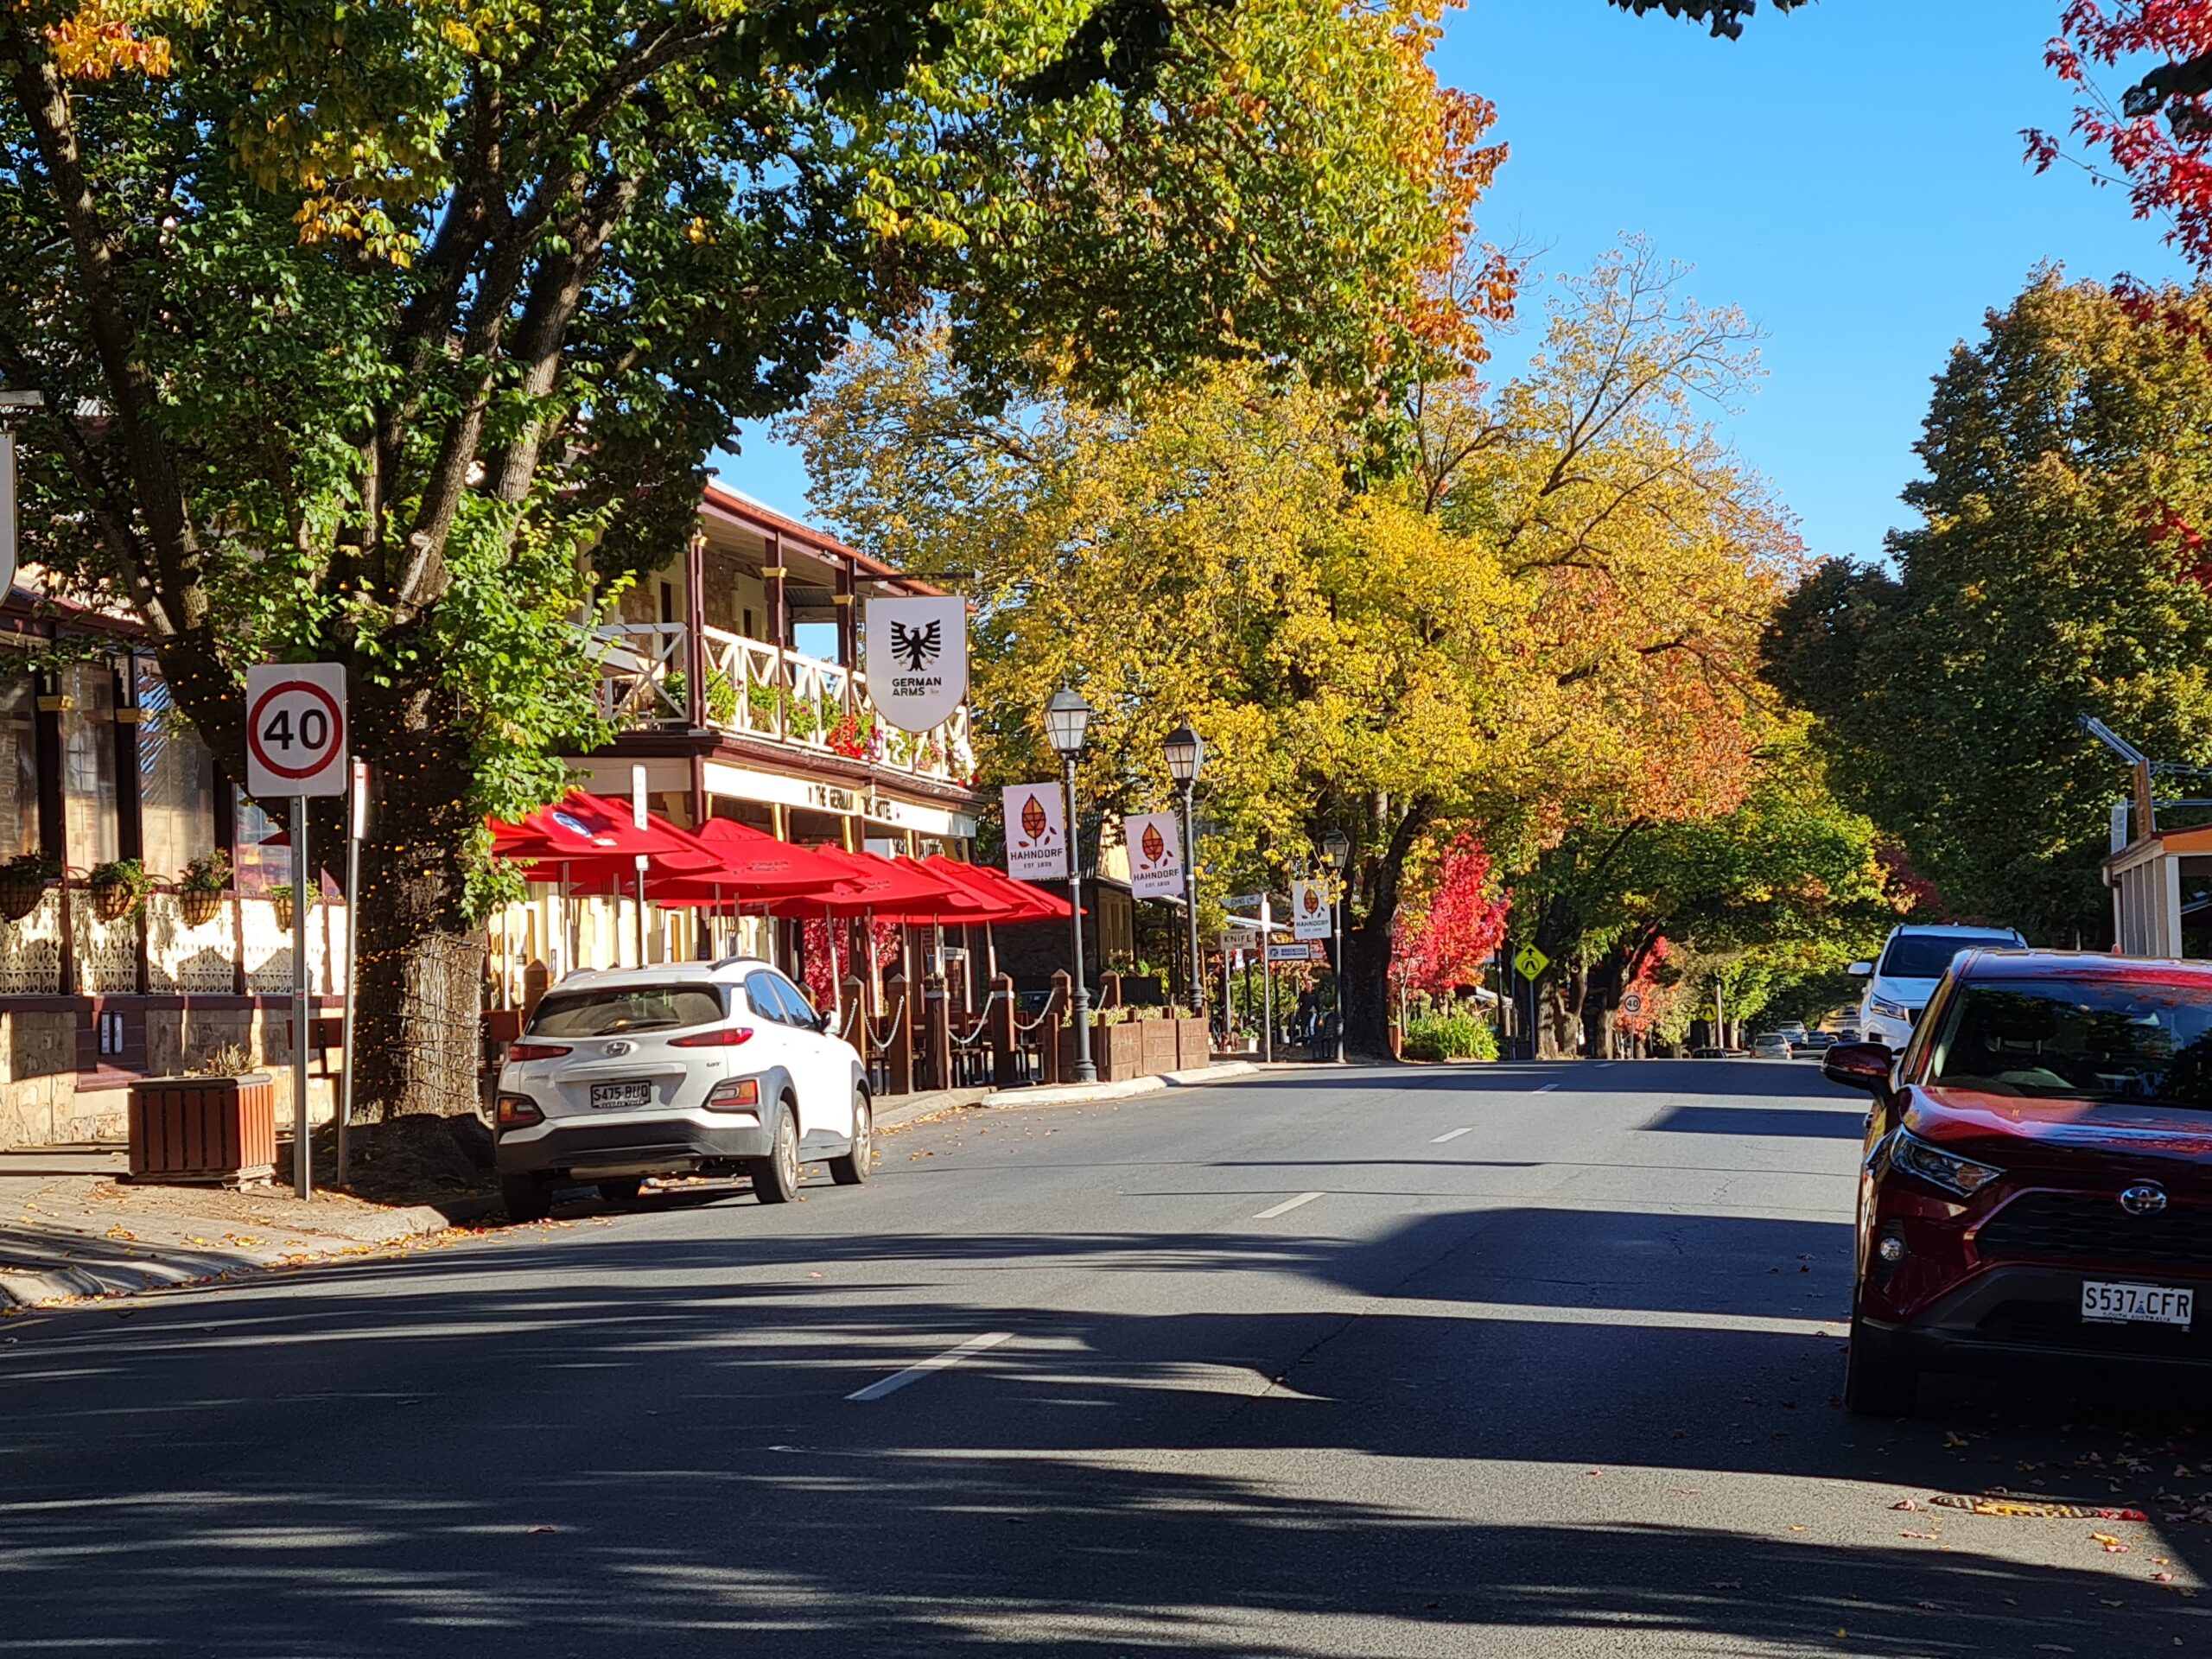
{"x": 295, "y": 729}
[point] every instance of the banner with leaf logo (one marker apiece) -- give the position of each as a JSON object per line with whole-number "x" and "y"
{"x": 1155, "y": 846}
{"x": 1036, "y": 832}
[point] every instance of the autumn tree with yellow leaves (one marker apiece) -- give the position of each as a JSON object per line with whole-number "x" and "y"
{"x": 1551, "y": 610}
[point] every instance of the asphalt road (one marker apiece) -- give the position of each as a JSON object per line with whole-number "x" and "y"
{"x": 1483, "y": 1361}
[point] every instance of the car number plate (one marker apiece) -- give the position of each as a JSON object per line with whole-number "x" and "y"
{"x": 2117, "y": 1304}
{"x": 621, "y": 1096}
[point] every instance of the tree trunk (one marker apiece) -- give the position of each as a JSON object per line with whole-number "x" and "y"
{"x": 418, "y": 997}
{"x": 1368, "y": 946}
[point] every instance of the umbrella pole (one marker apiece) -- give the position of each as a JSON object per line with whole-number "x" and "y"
{"x": 836, "y": 977}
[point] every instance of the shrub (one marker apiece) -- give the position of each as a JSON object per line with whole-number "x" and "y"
{"x": 1449, "y": 1037}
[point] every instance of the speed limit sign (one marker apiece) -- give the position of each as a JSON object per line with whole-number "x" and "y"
{"x": 295, "y": 736}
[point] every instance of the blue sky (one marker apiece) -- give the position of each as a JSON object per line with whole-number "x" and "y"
{"x": 1849, "y": 174}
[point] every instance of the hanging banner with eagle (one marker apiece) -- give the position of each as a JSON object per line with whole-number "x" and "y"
{"x": 1155, "y": 855}
{"x": 916, "y": 660}
{"x": 1036, "y": 832}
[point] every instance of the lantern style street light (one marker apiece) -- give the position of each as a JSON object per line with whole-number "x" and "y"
{"x": 1337, "y": 848}
{"x": 1187, "y": 753}
{"x": 1067, "y": 716}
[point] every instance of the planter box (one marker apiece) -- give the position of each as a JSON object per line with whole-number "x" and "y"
{"x": 204, "y": 1130}
{"x": 1158, "y": 1054}
{"x": 1193, "y": 1043}
{"x": 1118, "y": 1051}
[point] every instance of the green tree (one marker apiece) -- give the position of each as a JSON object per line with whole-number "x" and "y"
{"x": 2061, "y": 570}
{"x": 1785, "y": 889}
{"x": 397, "y": 333}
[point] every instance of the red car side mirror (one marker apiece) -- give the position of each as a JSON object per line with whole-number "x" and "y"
{"x": 1858, "y": 1066}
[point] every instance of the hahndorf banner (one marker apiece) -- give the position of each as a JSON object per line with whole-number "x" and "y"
{"x": 1309, "y": 911}
{"x": 1155, "y": 855}
{"x": 1036, "y": 832}
{"x": 916, "y": 660}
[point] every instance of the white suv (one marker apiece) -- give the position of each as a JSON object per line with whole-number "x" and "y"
{"x": 687, "y": 1068}
{"x": 1913, "y": 959}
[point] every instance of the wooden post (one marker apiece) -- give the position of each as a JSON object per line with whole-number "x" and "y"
{"x": 854, "y": 1031}
{"x": 936, "y": 1031}
{"x": 1004, "y": 1072}
{"x": 1056, "y": 1022}
{"x": 899, "y": 1053}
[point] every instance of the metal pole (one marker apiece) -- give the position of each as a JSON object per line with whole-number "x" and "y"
{"x": 1080, "y": 1013}
{"x": 1266, "y": 979}
{"x": 641, "y": 910}
{"x": 1338, "y": 920}
{"x": 303, "y": 1143}
{"x": 1198, "y": 978}
{"x": 356, "y": 820}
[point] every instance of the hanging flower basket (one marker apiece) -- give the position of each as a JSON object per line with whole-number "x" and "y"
{"x": 280, "y": 899}
{"x": 23, "y": 885}
{"x": 114, "y": 901}
{"x": 199, "y": 893}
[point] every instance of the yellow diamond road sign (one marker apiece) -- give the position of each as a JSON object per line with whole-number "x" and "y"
{"x": 1530, "y": 962}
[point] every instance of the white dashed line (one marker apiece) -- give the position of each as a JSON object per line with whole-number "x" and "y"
{"x": 1547, "y": 1089}
{"x": 1452, "y": 1134}
{"x": 1286, "y": 1206}
{"x": 951, "y": 1357}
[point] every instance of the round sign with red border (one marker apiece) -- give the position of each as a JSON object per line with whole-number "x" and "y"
{"x": 295, "y": 729}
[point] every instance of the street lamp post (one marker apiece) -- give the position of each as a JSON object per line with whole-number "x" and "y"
{"x": 1187, "y": 753}
{"x": 1066, "y": 717}
{"x": 1337, "y": 848}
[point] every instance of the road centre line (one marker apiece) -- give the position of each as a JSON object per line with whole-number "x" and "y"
{"x": 1286, "y": 1206}
{"x": 1452, "y": 1134}
{"x": 951, "y": 1357}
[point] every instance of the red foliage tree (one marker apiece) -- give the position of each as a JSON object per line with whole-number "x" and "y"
{"x": 1446, "y": 948}
{"x": 2159, "y": 135}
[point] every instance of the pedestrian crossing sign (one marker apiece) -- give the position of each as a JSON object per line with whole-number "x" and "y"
{"x": 1530, "y": 962}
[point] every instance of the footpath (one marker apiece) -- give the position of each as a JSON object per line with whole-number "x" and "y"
{"x": 72, "y": 1230}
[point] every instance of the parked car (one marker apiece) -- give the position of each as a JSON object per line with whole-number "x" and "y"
{"x": 1901, "y": 980}
{"x": 707, "y": 1068}
{"x": 1815, "y": 1043}
{"x": 1770, "y": 1045}
{"x": 2037, "y": 1187}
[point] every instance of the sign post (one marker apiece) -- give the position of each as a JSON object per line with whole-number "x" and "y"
{"x": 357, "y": 826}
{"x": 296, "y": 745}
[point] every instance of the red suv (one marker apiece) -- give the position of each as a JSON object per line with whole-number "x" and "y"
{"x": 2038, "y": 1180}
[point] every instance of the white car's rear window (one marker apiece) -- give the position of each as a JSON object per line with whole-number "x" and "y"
{"x": 628, "y": 1008}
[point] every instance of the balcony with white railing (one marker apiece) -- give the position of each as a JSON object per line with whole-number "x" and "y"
{"x": 756, "y": 690}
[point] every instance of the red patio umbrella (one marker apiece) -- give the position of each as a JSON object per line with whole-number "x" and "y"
{"x": 1022, "y": 902}
{"x": 755, "y": 867}
{"x": 892, "y": 890}
{"x": 591, "y": 837}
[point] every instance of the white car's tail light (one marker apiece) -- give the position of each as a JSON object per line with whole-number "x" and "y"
{"x": 736, "y": 1094}
{"x": 518, "y": 1112}
{"x": 722, "y": 1037}
{"x": 537, "y": 1050}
